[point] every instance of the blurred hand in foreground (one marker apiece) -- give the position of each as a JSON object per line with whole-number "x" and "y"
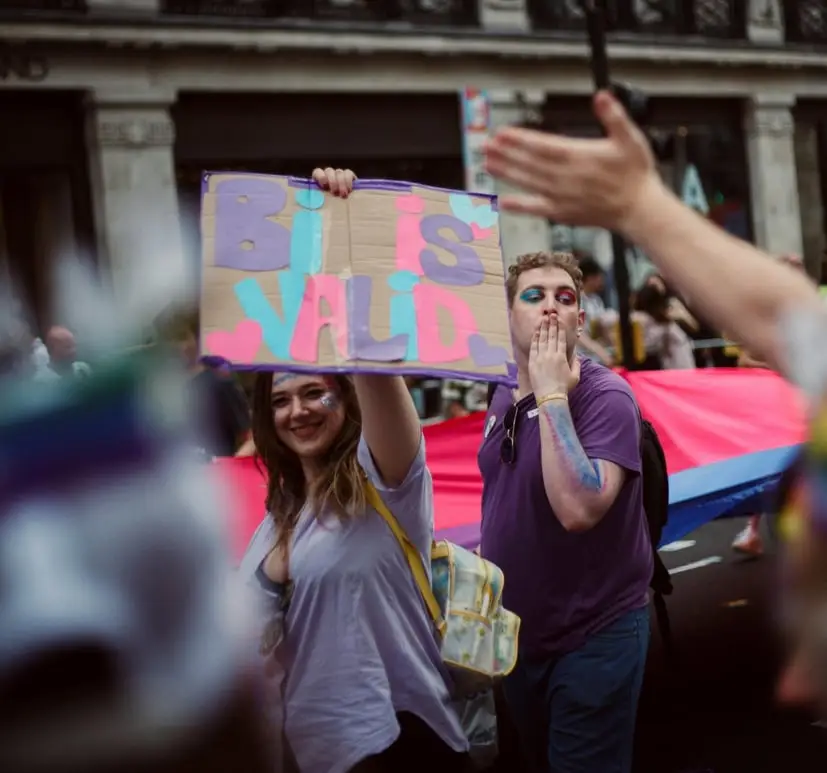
{"x": 597, "y": 182}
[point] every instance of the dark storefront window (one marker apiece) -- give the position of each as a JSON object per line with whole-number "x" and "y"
{"x": 701, "y": 153}
{"x": 715, "y": 158}
{"x": 45, "y": 194}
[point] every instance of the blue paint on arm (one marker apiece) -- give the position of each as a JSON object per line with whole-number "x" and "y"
{"x": 585, "y": 473}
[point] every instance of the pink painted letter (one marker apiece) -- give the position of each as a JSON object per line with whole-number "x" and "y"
{"x": 409, "y": 239}
{"x": 428, "y": 299}
{"x": 305, "y": 344}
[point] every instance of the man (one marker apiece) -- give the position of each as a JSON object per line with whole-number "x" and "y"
{"x": 613, "y": 183}
{"x": 562, "y": 515}
{"x": 62, "y": 351}
{"x": 594, "y": 284}
{"x": 594, "y": 308}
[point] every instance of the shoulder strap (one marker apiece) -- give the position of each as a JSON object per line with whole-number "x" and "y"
{"x": 411, "y": 554}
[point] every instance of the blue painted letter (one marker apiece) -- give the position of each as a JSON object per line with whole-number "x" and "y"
{"x": 277, "y": 331}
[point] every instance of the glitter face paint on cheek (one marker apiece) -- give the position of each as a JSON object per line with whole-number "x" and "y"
{"x": 329, "y": 401}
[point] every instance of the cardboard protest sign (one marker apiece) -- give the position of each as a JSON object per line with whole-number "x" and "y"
{"x": 397, "y": 278}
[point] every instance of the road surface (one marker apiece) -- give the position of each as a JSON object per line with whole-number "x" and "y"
{"x": 715, "y": 711}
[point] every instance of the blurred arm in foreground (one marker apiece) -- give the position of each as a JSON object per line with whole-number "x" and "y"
{"x": 613, "y": 183}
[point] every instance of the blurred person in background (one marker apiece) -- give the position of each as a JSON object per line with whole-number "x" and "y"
{"x": 62, "y": 351}
{"x": 665, "y": 341}
{"x": 222, "y": 415}
{"x": 594, "y": 308}
{"x": 456, "y": 409}
{"x": 676, "y": 310}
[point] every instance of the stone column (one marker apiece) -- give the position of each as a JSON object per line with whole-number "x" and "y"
{"x": 809, "y": 195}
{"x": 130, "y": 144}
{"x": 519, "y": 235}
{"x": 765, "y": 22}
{"x": 773, "y": 181}
{"x": 504, "y": 15}
{"x": 124, "y": 7}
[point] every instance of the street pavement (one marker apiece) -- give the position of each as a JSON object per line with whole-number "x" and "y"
{"x": 713, "y": 708}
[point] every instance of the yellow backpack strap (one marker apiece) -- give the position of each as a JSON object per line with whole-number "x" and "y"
{"x": 411, "y": 554}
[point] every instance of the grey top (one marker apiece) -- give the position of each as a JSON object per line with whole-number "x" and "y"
{"x": 359, "y": 644}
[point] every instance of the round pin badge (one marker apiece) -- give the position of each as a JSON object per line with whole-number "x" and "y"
{"x": 489, "y": 425}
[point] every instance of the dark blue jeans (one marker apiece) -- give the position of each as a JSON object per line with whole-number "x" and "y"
{"x": 576, "y": 713}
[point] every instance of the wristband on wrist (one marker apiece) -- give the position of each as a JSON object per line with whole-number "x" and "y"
{"x": 552, "y": 397}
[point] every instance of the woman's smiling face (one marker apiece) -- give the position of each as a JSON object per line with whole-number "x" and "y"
{"x": 307, "y": 413}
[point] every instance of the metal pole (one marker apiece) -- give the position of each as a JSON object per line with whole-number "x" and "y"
{"x": 596, "y": 25}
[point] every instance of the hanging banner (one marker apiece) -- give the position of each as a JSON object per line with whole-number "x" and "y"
{"x": 719, "y": 446}
{"x": 476, "y": 126}
{"x": 397, "y": 278}
{"x": 692, "y": 191}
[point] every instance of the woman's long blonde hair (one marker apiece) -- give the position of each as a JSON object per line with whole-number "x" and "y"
{"x": 340, "y": 486}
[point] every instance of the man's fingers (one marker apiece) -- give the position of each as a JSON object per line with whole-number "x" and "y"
{"x": 554, "y": 335}
{"x": 535, "y": 345}
{"x": 544, "y": 334}
{"x": 519, "y": 169}
{"x": 526, "y": 204}
{"x": 561, "y": 342}
{"x": 512, "y": 141}
{"x": 613, "y": 116}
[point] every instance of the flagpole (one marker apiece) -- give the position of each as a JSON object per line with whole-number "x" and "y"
{"x": 596, "y": 26}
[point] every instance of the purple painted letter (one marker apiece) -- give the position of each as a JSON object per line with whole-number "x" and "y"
{"x": 244, "y": 238}
{"x": 363, "y": 346}
{"x": 468, "y": 270}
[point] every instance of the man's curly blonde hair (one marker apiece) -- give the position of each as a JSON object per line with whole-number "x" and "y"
{"x": 532, "y": 260}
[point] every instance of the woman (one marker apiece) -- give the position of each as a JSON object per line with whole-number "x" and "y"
{"x": 365, "y": 688}
{"x": 676, "y": 309}
{"x": 664, "y": 339}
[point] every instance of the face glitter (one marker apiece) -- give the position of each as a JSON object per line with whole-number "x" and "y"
{"x": 329, "y": 401}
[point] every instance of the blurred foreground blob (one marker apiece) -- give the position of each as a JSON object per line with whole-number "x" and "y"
{"x": 803, "y": 525}
{"x": 123, "y": 634}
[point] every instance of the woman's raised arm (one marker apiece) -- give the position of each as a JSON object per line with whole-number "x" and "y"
{"x": 390, "y": 423}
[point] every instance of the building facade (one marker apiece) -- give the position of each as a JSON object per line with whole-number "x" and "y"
{"x": 112, "y": 108}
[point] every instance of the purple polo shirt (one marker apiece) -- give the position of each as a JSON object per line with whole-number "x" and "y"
{"x": 566, "y": 586}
